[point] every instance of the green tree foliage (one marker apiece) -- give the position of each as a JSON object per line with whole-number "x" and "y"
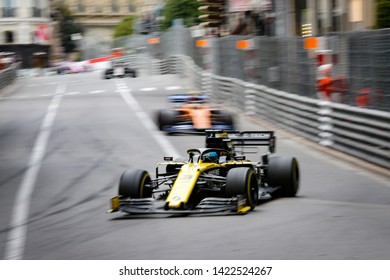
{"x": 382, "y": 14}
{"x": 125, "y": 27}
{"x": 181, "y": 9}
{"x": 68, "y": 26}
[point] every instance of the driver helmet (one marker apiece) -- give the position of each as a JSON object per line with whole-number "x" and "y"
{"x": 211, "y": 157}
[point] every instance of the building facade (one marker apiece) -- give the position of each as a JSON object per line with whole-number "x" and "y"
{"x": 28, "y": 29}
{"x": 323, "y": 16}
{"x": 25, "y": 29}
{"x": 99, "y": 17}
{"x": 291, "y": 17}
{"x": 27, "y": 26}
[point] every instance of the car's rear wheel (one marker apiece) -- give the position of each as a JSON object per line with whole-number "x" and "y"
{"x": 242, "y": 180}
{"x": 226, "y": 118}
{"x": 135, "y": 183}
{"x": 130, "y": 72}
{"x": 166, "y": 118}
{"x": 108, "y": 74}
{"x": 283, "y": 172}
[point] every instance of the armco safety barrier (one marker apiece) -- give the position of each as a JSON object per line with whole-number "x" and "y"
{"x": 363, "y": 133}
{"x": 8, "y": 75}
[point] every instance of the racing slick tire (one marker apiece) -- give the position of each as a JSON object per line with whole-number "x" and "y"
{"x": 242, "y": 180}
{"x": 130, "y": 72}
{"x": 166, "y": 118}
{"x": 225, "y": 118}
{"x": 133, "y": 184}
{"x": 108, "y": 74}
{"x": 283, "y": 172}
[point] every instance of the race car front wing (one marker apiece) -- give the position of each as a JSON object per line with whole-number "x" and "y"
{"x": 153, "y": 206}
{"x": 236, "y": 204}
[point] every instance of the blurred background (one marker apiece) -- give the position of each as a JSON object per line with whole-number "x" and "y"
{"x": 259, "y": 41}
{"x": 315, "y": 71}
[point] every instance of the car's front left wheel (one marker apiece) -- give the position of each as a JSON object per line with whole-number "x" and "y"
{"x": 135, "y": 183}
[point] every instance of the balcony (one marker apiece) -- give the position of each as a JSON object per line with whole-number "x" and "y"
{"x": 102, "y": 10}
{"x": 8, "y": 12}
{"x": 36, "y": 12}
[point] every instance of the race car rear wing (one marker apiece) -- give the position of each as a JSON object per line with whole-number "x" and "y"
{"x": 224, "y": 139}
{"x": 188, "y": 97}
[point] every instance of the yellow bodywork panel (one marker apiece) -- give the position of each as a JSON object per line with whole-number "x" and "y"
{"x": 114, "y": 204}
{"x": 183, "y": 186}
{"x": 244, "y": 209}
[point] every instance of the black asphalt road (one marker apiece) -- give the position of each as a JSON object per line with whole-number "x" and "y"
{"x": 96, "y": 128}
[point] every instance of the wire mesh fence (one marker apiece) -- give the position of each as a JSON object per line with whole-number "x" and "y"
{"x": 360, "y": 62}
{"x": 367, "y": 59}
{"x": 8, "y": 75}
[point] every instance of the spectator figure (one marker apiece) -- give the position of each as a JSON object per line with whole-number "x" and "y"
{"x": 330, "y": 88}
{"x": 324, "y": 82}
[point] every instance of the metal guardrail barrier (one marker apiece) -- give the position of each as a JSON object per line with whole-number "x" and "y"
{"x": 363, "y": 133}
{"x": 358, "y": 62}
{"x": 8, "y": 75}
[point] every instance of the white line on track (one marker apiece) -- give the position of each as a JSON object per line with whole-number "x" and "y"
{"x": 173, "y": 87}
{"x": 16, "y": 239}
{"x": 96, "y": 91}
{"x": 148, "y": 89}
{"x": 158, "y": 136}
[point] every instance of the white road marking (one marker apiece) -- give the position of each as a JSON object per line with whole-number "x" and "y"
{"x": 16, "y": 239}
{"x": 158, "y": 136}
{"x": 49, "y": 94}
{"x": 35, "y": 85}
{"x": 173, "y": 87}
{"x": 96, "y": 91}
{"x": 13, "y": 97}
{"x": 148, "y": 89}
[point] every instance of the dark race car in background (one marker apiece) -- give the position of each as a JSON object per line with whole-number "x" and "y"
{"x": 192, "y": 114}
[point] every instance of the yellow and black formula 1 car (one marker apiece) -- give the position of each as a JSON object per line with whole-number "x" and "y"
{"x": 213, "y": 179}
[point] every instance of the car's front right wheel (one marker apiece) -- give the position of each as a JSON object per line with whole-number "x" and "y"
{"x": 242, "y": 180}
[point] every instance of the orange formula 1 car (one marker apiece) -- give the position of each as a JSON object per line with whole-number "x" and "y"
{"x": 193, "y": 115}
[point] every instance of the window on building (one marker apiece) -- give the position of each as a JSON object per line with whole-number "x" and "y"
{"x": 131, "y": 5}
{"x": 114, "y": 6}
{"x": 356, "y": 8}
{"x": 37, "y": 8}
{"x": 300, "y": 15}
{"x": 337, "y": 14}
{"x": 8, "y": 8}
{"x": 9, "y": 37}
{"x": 81, "y": 6}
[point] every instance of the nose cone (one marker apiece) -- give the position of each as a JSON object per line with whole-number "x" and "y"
{"x": 175, "y": 202}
